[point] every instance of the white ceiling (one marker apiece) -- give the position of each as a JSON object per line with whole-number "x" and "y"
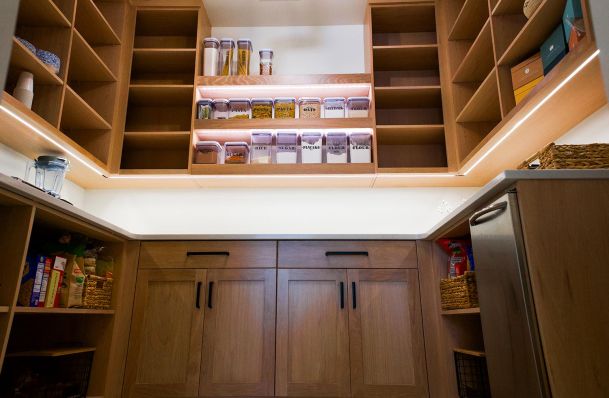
{"x": 285, "y": 12}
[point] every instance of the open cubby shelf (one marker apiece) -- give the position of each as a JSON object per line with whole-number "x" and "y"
{"x": 408, "y": 97}
{"x": 42, "y": 13}
{"x": 93, "y": 25}
{"x": 23, "y": 59}
{"x": 479, "y": 60}
{"x": 405, "y": 57}
{"x": 78, "y": 114}
{"x": 470, "y": 20}
{"x": 160, "y": 94}
{"x": 85, "y": 63}
{"x": 484, "y": 104}
{"x": 163, "y": 65}
{"x": 410, "y": 134}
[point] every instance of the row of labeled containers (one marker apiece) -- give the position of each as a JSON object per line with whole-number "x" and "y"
{"x": 284, "y": 108}
{"x": 218, "y": 59}
{"x": 289, "y": 147}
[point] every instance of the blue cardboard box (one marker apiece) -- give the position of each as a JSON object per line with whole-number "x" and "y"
{"x": 554, "y": 49}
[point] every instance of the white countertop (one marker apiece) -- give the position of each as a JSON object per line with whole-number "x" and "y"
{"x": 493, "y": 189}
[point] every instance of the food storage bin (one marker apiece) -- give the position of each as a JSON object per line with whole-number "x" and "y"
{"x": 244, "y": 55}
{"x": 336, "y": 147}
{"x": 236, "y": 153}
{"x": 239, "y": 108}
{"x": 360, "y": 148}
{"x": 358, "y": 107}
{"x": 266, "y": 61}
{"x": 207, "y": 152}
{"x": 287, "y": 147}
{"x": 262, "y": 108}
{"x": 210, "y": 56}
{"x": 220, "y": 108}
{"x": 334, "y": 108}
{"x": 262, "y": 145}
{"x": 225, "y": 59}
{"x": 204, "y": 108}
{"x": 285, "y": 108}
{"x": 311, "y": 147}
{"x": 309, "y": 108}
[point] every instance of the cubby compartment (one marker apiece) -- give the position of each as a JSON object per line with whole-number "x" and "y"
{"x": 156, "y": 150}
{"x": 163, "y": 66}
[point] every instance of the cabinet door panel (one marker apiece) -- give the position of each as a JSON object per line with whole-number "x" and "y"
{"x": 165, "y": 342}
{"x": 239, "y": 335}
{"x": 386, "y": 334}
{"x": 312, "y": 334}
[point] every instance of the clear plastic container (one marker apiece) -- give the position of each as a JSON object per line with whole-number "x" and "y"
{"x": 262, "y": 108}
{"x": 244, "y": 56}
{"x": 236, "y": 153}
{"x": 266, "y": 61}
{"x": 287, "y": 148}
{"x": 285, "y": 108}
{"x": 225, "y": 59}
{"x": 211, "y": 49}
{"x": 336, "y": 147}
{"x": 358, "y": 107}
{"x": 309, "y": 108}
{"x": 334, "y": 108}
{"x": 239, "y": 108}
{"x": 220, "y": 109}
{"x": 204, "y": 108}
{"x": 311, "y": 144}
{"x": 262, "y": 147}
{"x": 360, "y": 147}
{"x": 208, "y": 152}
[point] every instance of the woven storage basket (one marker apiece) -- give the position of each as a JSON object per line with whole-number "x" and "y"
{"x": 460, "y": 292}
{"x": 97, "y": 293}
{"x": 530, "y": 6}
{"x": 591, "y": 156}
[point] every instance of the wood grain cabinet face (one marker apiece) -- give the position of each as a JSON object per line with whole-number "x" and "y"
{"x": 386, "y": 334}
{"x": 312, "y": 334}
{"x": 239, "y": 335}
{"x": 165, "y": 343}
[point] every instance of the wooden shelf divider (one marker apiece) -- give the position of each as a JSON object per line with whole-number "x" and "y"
{"x": 484, "y": 105}
{"x": 4, "y": 309}
{"x": 79, "y": 115}
{"x": 470, "y": 20}
{"x": 250, "y": 124}
{"x": 93, "y": 25}
{"x": 282, "y": 169}
{"x": 405, "y": 57}
{"x": 85, "y": 64}
{"x": 408, "y": 97}
{"x": 42, "y": 13}
{"x": 479, "y": 60}
{"x": 24, "y": 59}
{"x": 467, "y": 311}
{"x": 61, "y": 311}
{"x": 410, "y": 134}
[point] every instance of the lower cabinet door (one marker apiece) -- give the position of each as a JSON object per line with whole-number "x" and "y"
{"x": 386, "y": 334}
{"x": 165, "y": 341}
{"x": 239, "y": 335}
{"x": 312, "y": 334}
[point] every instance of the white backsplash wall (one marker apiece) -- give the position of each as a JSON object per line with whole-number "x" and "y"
{"x": 303, "y": 50}
{"x": 593, "y": 130}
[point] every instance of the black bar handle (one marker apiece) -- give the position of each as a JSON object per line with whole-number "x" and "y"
{"x": 354, "y": 295}
{"x": 198, "y": 302}
{"x": 209, "y": 294}
{"x": 346, "y": 254}
{"x": 342, "y": 295}
{"x": 188, "y": 254}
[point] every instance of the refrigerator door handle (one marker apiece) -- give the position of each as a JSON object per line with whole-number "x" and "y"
{"x": 501, "y": 206}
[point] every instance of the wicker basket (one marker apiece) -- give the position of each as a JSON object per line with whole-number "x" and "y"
{"x": 460, "y": 292}
{"x": 97, "y": 292}
{"x": 530, "y": 6}
{"x": 591, "y": 156}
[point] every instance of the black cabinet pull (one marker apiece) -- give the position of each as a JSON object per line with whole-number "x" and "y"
{"x": 190, "y": 254}
{"x": 198, "y": 302}
{"x": 354, "y": 295}
{"x": 346, "y": 254}
{"x": 342, "y": 295}
{"x": 209, "y": 294}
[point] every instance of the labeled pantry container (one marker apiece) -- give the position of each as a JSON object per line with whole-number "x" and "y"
{"x": 266, "y": 61}
{"x": 210, "y": 56}
{"x": 225, "y": 61}
{"x": 311, "y": 144}
{"x": 239, "y": 108}
{"x": 236, "y": 153}
{"x": 360, "y": 147}
{"x": 336, "y": 147}
{"x": 334, "y": 108}
{"x": 244, "y": 55}
{"x": 309, "y": 108}
{"x": 285, "y": 108}
{"x": 287, "y": 148}
{"x": 204, "y": 108}
{"x": 358, "y": 107}
{"x": 262, "y": 108}
{"x": 220, "y": 108}
{"x": 208, "y": 152}
{"x": 262, "y": 147}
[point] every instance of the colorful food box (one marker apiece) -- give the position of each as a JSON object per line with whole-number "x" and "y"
{"x": 523, "y": 91}
{"x": 527, "y": 71}
{"x": 554, "y": 49}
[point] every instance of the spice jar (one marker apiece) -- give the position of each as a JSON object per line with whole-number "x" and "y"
{"x": 360, "y": 145}
{"x": 236, "y": 153}
{"x": 309, "y": 108}
{"x": 262, "y": 145}
{"x": 262, "y": 108}
{"x": 336, "y": 147}
{"x": 204, "y": 108}
{"x": 210, "y": 56}
{"x": 239, "y": 108}
{"x": 207, "y": 152}
{"x": 266, "y": 61}
{"x": 334, "y": 107}
{"x": 285, "y": 108}
{"x": 311, "y": 147}
{"x": 225, "y": 61}
{"x": 244, "y": 55}
{"x": 287, "y": 148}
{"x": 358, "y": 106}
{"x": 220, "y": 108}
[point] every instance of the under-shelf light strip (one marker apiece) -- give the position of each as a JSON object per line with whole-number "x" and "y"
{"x": 41, "y": 133}
{"x": 533, "y": 111}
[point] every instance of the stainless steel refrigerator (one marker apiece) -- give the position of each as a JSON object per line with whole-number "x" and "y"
{"x": 511, "y": 338}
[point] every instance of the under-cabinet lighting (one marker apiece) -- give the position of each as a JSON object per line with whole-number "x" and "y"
{"x": 276, "y": 87}
{"x": 234, "y": 176}
{"x": 52, "y": 141}
{"x": 533, "y": 111}
{"x": 418, "y": 175}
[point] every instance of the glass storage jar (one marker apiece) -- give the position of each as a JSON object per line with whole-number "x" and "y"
{"x": 358, "y": 107}
{"x": 204, "y": 108}
{"x": 309, "y": 108}
{"x": 236, "y": 153}
{"x": 244, "y": 55}
{"x": 266, "y": 61}
{"x": 334, "y": 108}
{"x": 262, "y": 108}
{"x": 225, "y": 58}
{"x": 285, "y": 108}
{"x": 287, "y": 148}
{"x": 360, "y": 147}
{"x": 207, "y": 152}
{"x": 311, "y": 144}
{"x": 220, "y": 108}
{"x": 239, "y": 108}
{"x": 336, "y": 147}
{"x": 210, "y": 56}
{"x": 262, "y": 146}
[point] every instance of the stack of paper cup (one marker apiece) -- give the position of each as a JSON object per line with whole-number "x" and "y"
{"x": 24, "y": 90}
